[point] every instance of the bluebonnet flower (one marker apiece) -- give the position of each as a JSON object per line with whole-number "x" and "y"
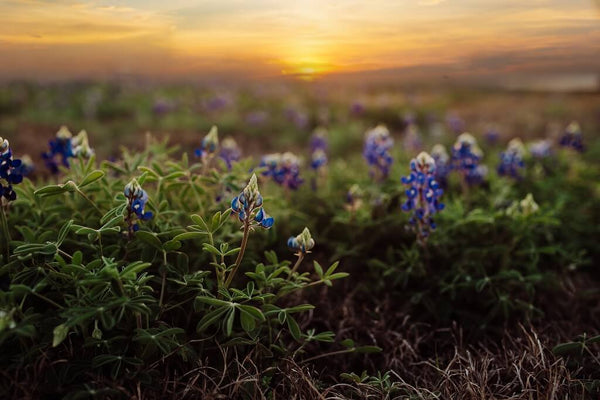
{"x": 412, "y": 139}
{"x": 27, "y": 166}
{"x": 302, "y": 243}
{"x": 357, "y": 108}
{"x": 208, "y": 146}
{"x": 257, "y": 118}
{"x": 318, "y": 149}
{"x": 60, "y": 147}
{"x": 230, "y": 152}
{"x": 65, "y": 146}
{"x": 491, "y": 135}
{"x": 297, "y": 116}
{"x": 572, "y": 137}
{"x": 284, "y": 169}
{"x": 540, "y": 148}
{"x": 423, "y": 195}
{"x": 354, "y": 198}
{"x": 511, "y": 160}
{"x": 376, "y": 151}
{"x": 442, "y": 164}
{"x": 218, "y": 102}
{"x": 466, "y": 156}
{"x": 248, "y": 206}
{"x": 136, "y": 204}
{"x": 9, "y": 172}
{"x": 455, "y": 123}
{"x": 162, "y": 107}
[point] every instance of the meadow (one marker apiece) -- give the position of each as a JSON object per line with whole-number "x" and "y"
{"x": 298, "y": 240}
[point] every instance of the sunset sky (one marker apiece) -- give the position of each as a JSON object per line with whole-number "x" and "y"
{"x": 65, "y": 39}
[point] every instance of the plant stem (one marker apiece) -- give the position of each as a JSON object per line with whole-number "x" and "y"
{"x": 298, "y": 262}
{"x": 5, "y": 233}
{"x": 241, "y": 253}
{"x": 164, "y": 280}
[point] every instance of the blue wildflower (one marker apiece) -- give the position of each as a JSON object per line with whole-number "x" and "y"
{"x": 376, "y": 151}
{"x": 412, "y": 139}
{"x": 423, "y": 195}
{"x": 136, "y": 204}
{"x": 491, "y": 136}
{"x": 540, "y": 148}
{"x": 9, "y": 172}
{"x": 248, "y": 206}
{"x": 455, "y": 123}
{"x": 442, "y": 164}
{"x": 230, "y": 152}
{"x": 60, "y": 147}
{"x": 208, "y": 146}
{"x": 572, "y": 137}
{"x": 302, "y": 243}
{"x": 318, "y": 149}
{"x": 284, "y": 169}
{"x": 65, "y": 146}
{"x": 466, "y": 156}
{"x": 511, "y": 160}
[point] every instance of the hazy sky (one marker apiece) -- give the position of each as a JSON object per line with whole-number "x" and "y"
{"x": 263, "y": 38}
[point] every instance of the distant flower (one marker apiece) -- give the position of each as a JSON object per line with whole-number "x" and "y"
{"x": 491, "y": 135}
{"x": 466, "y": 156}
{"x": 230, "y": 152}
{"x": 412, "y": 139}
{"x": 376, "y": 151}
{"x": 162, "y": 107}
{"x": 257, "y": 118}
{"x": 455, "y": 123}
{"x": 442, "y": 164}
{"x": 65, "y": 146}
{"x": 218, "y": 102}
{"x": 9, "y": 172}
{"x": 511, "y": 160}
{"x": 572, "y": 137}
{"x": 60, "y": 147}
{"x": 81, "y": 146}
{"x": 208, "y": 146}
{"x": 284, "y": 169}
{"x": 354, "y": 198}
{"x": 357, "y": 108}
{"x": 318, "y": 148}
{"x": 297, "y": 117}
{"x": 423, "y": 195}
{"x": 136, "y": 204}
{"x": 302, "y": 243}
{"x": 540, "y": 148}
{"x": 248, "y": 206}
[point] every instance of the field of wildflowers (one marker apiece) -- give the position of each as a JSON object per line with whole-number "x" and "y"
{"x": 299, "y": 243}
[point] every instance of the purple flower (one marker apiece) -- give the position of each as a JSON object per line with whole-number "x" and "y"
{"x": 284, "y": 169}
{"x": 376, "y": 151}
{"x": 466, "y": 156}
{"x": 511, "y": 160}
{"x": 248, "y": 206}
{"x": 572, "y": 137}
{"x": 423, "y": 193}
{"x": 9, "y": 172}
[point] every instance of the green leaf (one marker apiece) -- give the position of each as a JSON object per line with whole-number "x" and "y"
{"x": 568, "y": 348}
{"x": 92, "y": 177}
{"x": 229, "y": 322}
{"x": 211, "y": 249}
{"x": 252, "y": 312}
{"x": 171, "y": 245}
{"x": 214, "y": 302}
{"x": 62, "y": 234}
{"x": 294, "y": 328}
{"x": 51, "y": 190}
{"x": 318, "y": 269}
{"x": 190, "y": 235}
{"x": 60, "y": 333}
{"x": 149, "y": 238}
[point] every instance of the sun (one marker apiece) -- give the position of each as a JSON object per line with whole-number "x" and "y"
{"x": 306, "y": 68}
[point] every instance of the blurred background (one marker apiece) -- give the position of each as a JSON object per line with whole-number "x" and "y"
{"x": 269, "y": 71}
